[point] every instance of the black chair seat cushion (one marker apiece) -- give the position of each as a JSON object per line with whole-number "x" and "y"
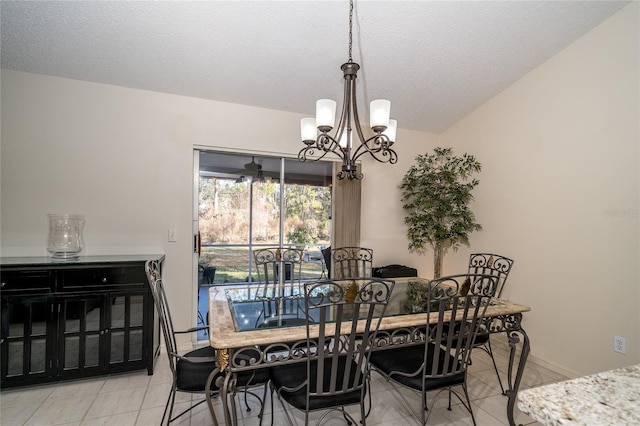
{"x": 192, "y": 376}
{"x": 409, "y": 359}
{"x": 481, "y": 338}
{"x": 292, "y": 376}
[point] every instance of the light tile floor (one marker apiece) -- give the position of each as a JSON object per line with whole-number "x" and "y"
{"x": 138, "y": 399}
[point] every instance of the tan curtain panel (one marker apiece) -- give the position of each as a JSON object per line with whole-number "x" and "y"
{"x": 346, "y": 211}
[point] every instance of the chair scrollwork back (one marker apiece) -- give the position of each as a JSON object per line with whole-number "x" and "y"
{"x": 351, "y": 262}
{"x": 270, "y": 261}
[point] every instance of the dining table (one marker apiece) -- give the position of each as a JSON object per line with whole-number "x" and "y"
{"x": 243, "y": 343}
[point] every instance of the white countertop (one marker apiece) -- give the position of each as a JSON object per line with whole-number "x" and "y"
{"x": 608, "y": 398}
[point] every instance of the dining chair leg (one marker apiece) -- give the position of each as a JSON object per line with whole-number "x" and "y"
{"x": 169, "y": 405}
{"x": 232, "y": 407}
{"x": 466, "y": 394}
{"x": 263, "y": 401}
{"x": 489, "y": 350}
{"x": 271, "y": 399}
{"x": 368, "y": 395}
{"x": 284, "y": 409}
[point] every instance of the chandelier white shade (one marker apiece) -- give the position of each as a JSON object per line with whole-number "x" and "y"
{"x": 391, "y": 129}
{"x": 325, "y": 113}
{"x": 379, "y": 113}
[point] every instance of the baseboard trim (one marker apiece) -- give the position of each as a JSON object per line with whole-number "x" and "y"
{"x": 556, "y": 368}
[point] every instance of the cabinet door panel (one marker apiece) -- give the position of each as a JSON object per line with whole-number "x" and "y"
{"x": 127, "y": 328}
{"x": 81, "y": 328}
{"x": 27, "y": 326}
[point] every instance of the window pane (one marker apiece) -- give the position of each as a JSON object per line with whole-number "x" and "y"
{"x": 118, "y": 311}
{"x": 15, "y": 358}
{"x": 265, "y": 208}
{"x": 137, "y": 310}
{"x": 307, "y": 222}
{"x": 117, "y": 347}
{"x": 71, "y": 352}
{"x": 92, "y": 350}
{"x": 93, "y": 315}
{"x": 38, "y": 355}
{"x": 232, "y": 264}
{"x": 135, "y": 345}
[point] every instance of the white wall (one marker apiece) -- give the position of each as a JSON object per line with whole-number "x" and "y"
{"x": 559, "y": 192}
{"x": 383, "y": 226}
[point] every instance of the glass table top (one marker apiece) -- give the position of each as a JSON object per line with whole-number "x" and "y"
{"x": 252, "y": 308}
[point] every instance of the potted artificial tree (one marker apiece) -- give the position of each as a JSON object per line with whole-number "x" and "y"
{"x": 436, "y": 193}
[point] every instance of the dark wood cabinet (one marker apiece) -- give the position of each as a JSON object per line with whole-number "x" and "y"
{"x": 64, "y": 320}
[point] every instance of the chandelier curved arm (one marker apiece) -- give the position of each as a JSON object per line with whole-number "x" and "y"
{"x": 324, "y": 145}
{"x": 379, "y": 147}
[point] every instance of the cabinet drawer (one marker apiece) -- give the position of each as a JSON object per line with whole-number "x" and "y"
{"x": 129, "y": 277}
{"x": 29, "y": 281}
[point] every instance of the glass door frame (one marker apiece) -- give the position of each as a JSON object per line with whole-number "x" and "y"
{"x": 283, "y": 159}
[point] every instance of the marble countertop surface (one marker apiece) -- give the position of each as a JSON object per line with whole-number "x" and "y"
{"x": 608, "y": 398}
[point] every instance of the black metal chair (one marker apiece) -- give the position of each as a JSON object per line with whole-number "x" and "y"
{"x": 192, "y": 370}
{"x": 439, "y": 362}
{"x": 335, "y": 372}
{"x": 351, "y": 262}
{"x": 500, "y": 267}
{"x": 491, "y": 264}
{"x": 269, "y": 262}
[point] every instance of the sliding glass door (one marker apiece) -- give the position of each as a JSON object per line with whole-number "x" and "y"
{"x": 250, "y": 201}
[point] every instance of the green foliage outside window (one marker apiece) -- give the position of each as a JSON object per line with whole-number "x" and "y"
{"x": 301, "y": 235}
{"x": 224, "y": 212}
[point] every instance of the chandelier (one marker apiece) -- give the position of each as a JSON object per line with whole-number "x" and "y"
{"x": 315, "y": 131}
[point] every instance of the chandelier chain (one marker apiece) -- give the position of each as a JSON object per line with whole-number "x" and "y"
{"x": 350, "y": 29}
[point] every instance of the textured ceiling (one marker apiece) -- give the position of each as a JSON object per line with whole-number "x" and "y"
{"x": 435, "y": 60}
